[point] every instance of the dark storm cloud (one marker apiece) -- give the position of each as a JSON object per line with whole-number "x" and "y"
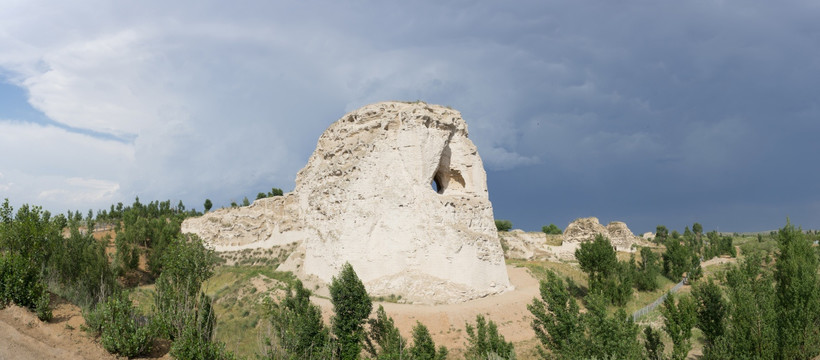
{"x": 645, "y": 112}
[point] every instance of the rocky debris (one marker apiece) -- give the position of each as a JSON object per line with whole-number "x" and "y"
{"x": 585, "y": 229}
{"x": 396, "y": 189}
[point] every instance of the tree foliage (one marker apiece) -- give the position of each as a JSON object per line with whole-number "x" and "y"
{"x": 679, "y": 318}
{"x": 297, "y": 327}
{"x": 552, "y": 229}
{"x": 568, "y": 334}
{"x": 352, "y": 306}
{"x": 503, "y": 225}
{"x": 484, "y": 341}
{"x": 384, "y": 342}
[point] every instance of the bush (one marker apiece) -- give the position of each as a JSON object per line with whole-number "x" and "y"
{"x": 551, "y": 230}
{"x": 503, "y": 225}
{"x": 21, "y": 284}
{"x": 116, "y": 321}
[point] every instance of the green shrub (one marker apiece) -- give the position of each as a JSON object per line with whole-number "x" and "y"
{"x": 503, "y": 225}
{"x": 116, "y": 322}
{"x": 21, "y": 284}
{"x": 552, "y": 229}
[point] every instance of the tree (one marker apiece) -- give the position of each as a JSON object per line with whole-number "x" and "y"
{"x": 557, "y": 320}
{"x": 610, "y": 337}
{"x": 661, "y": 233}
{"x": 297, "y": 326}
{"x": 246, "y": 202}
{"x": 484, "y": 341}
{"x": 261, "y": 195}
{"x": 751, "y": 322}
{"x": 711, "y": 310}
{"x": 568, "y": 334}
{"x": 653, "y": 344}
{"x": 423, "y": 346}
{"x": 676, "y": 260}
{"x": 678, "y": 322}
{"x": 597, "y": 258}
{"x": 503, "y": 225}
{"x": 551, "y": 230}
{"x": 208, "y": 205}
{"x": 384, "y": 334}
{"x": 798, "y": 295}
{"x": 275, "y": 192}
{"x": 646, "y": 278}
{"x": 697, "y": 228}
{"x": 352, "y": 306}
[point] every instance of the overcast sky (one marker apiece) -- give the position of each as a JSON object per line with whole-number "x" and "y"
{"x": 648, "y": 112}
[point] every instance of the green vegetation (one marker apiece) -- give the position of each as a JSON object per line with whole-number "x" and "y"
{"x": 208, "y": 205}
{"x": 384, "y": 340}
{"x": 484, "y": 341}
{"x": 607, "y": 276}
{"x": 352, "y": 306}
{"x": 551, "y": 230}
{"x": 569, "y": 334}
{"x": 503, "y": 225}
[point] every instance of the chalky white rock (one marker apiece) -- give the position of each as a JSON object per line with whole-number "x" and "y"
{"x": 396, "y": 189}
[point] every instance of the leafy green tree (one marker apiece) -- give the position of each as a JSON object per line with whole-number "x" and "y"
{"x": 297, "y": 326}
{"x": 503, "y": 225}
{"x": 751, "y": 324}
{"x": 610, "y": 337}
{"x": 711, "y": 310}
{"x": 22, "y": 284}
{"x": 246, "y": 202}
{"x": 597, "y": 258}
{"x": 646, "y": 277}
{"x": 661, "y": 233}
{"x": 678, "y": 322}
{"x": 677, "y": 260}
{"x": 697, "y": 228}
{"x": 384, "y": 342}
{"x": 275, "y": 192}
{"x": 568, "y": 334}
{"x": 352, "y": 306}
{"x": 423, "y": 346}
{"x": 653, "y": 344}
{"x": 208, "y": 205}
{"x": 484, "y": 341}
{"x": 261, "y": 195}
{"x": 798, "y": 295}
{"x": 187, "y": 263}
{"x": 606, "y": 274}
{"x": 552, "y": 230}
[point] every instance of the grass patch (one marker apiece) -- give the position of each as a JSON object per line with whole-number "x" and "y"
{"x": 240, "y": 313}
{"x": 539, "y": 270}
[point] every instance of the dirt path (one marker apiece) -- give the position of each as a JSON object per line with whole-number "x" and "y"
{"x": 446, "y": 322}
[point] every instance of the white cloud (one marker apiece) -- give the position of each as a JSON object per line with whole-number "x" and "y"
{"x": 82, "y": 191}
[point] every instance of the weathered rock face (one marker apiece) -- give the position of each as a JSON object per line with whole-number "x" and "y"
{"x": 585, "y": 229}
{"x": 396, "y": 189}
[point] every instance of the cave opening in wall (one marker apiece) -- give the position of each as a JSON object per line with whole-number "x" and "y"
{"x": 437, "y": 184}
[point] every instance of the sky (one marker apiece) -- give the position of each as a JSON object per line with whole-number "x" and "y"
{"x": 647, "y": 112}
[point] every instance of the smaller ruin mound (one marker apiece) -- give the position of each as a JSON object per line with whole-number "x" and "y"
{"x": 585, "y": 229}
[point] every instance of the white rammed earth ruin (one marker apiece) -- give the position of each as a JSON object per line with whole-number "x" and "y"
{"x": 396, "y": 189}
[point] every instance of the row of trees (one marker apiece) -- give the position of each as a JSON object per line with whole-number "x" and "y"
{"x": 299, "y": 332}
{"x": 761, "y": 309}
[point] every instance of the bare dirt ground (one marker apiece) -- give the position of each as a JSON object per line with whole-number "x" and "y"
{"x": 26, "y": 337}
{"x": 447, "y": 322}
